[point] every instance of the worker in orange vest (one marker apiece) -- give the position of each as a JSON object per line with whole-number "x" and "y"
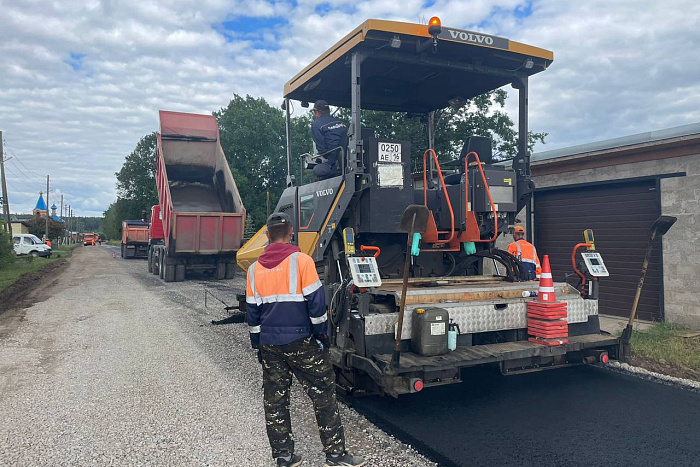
{"x": 525, "y": 252}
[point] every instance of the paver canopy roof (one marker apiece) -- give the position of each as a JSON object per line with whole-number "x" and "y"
{"x": 465, "y": 65}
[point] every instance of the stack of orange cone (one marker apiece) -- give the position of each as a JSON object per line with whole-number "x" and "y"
{"x": 546, "y": 317}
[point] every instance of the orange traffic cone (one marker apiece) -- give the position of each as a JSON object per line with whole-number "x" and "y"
{"x": 545, "y": 293}
{"x": 546, "y": 317}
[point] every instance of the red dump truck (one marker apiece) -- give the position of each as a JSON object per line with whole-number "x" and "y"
{"x": 134, "y": 239}
{"x": 199, "y": 220}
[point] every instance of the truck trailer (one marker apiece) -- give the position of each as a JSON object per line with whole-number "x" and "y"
{"x": 200, "y": 215}
{"x": 352, "y": 224}
{"x": 134, "y": 239}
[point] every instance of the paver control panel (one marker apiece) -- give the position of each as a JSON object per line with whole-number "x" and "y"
{"x": 364, "y": 270}
{"x": 594, "y": 263}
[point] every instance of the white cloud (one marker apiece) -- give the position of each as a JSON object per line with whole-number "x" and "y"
{"x": 83, "y": 80}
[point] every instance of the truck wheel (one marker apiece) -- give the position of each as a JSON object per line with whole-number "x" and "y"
{"x": 230, "y": 270}
{"x": 169, "y": 273}
{"x": 220, "y": 271}
{"x": 161, "y": 266}
{"x": 122, "y": 253}
{"x": 156, "y": 262}
{"x": 150, "y": 260}
{"x": 179, "y": 273}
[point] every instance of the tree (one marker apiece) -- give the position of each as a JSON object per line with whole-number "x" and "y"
{"x": 37, "y": 226}
{"x": 480, "y": 116}
{"x": 253, "y": 139}
{"x": 136, "y": 187}
{"x": 7, "y": 252}
{"x": 136, "y": 181}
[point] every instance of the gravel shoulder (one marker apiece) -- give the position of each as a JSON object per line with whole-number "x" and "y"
{"x": 116, "y": 367}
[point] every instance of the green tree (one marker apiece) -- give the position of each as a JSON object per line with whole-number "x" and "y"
{"x": 136, "y": 181}
{"x": 7, "y": 252}
{"x": 136, "y": 187}
{"x": 480, "y": 116}
{"x": 253, "y": 139}
{"x": 37, "y": 226}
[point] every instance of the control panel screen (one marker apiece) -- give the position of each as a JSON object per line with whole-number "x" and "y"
{"x": 364, "y": 270}
{"x": 594, "y": 263}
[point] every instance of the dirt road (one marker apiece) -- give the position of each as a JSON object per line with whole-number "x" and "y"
{"x": 116, "y": 367}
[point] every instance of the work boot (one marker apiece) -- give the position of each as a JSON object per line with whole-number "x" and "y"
{"x": 345, "y": 459}
{"x": 293, "y": 461}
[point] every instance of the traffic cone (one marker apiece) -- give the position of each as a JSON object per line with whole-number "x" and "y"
{"x": 114, "y": 256}
{"x": 545, "y": 294}
{"x": 546, "y": 317}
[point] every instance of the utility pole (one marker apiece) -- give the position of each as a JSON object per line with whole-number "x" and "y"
{"x": 5, "y": 200}
{"x": 70, "y": 228}
{"x": 64, "y": 221}
{"x": 47, "y": 208}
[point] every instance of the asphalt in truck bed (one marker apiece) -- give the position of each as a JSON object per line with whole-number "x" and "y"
{"x": 578, "y": 416}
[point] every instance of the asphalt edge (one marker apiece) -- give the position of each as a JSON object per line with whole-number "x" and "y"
{"x": 625, "y": 368}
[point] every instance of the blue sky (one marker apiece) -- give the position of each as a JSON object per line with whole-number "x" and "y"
{"x": 83, "y": 81}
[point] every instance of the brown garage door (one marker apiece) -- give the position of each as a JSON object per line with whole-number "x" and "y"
{"x": 620, "y": 215}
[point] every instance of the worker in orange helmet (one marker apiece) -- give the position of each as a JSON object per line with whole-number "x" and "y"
{"x": 525, "y": 252}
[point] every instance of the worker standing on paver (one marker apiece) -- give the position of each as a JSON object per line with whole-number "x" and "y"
{"x": 286, "y": 311}
{"x": 328, "y": 132}
{"x": 525, "y": 252}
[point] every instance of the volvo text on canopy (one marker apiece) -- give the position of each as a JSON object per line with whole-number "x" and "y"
{"x": 351, "y": 224}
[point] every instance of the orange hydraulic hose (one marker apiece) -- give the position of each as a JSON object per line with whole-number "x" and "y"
{"x": 444, "y": 187}
{"x": 573, "y": 264}
{"x": 488, "y": 192}
{"x": 376, "y": 249}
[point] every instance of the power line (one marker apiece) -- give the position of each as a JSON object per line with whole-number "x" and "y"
{"x": 17, "y": 177}
{"x": 19, "y": 168}
{"x": 41, "y": 177}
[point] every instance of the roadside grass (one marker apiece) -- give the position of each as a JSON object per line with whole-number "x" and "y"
{"x": 665, "y": 343}
{"x": 114, "y": 242}
{"x": 23, "y": 265}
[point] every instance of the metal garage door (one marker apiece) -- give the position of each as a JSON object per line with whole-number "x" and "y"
{"x": 620, "y": 215}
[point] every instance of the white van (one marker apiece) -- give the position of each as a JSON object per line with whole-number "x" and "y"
{"x": 28, "y": 244}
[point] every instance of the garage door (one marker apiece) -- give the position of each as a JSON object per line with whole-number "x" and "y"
{"x": 621, "y": 216}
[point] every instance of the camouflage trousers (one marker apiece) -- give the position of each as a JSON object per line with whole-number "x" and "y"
{"x": 307, "y": 362}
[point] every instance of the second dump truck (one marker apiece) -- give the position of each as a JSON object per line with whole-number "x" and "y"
{"x": 200, "y": 214}
{"x": 134, "y": 239}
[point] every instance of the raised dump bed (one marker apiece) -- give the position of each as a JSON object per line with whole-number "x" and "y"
{"x": 200, "y": 208}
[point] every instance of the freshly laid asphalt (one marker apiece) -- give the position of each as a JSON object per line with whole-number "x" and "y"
{"x": 580, "y": 416}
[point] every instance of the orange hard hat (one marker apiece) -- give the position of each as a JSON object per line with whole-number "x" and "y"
{"x": 519, "y": 229}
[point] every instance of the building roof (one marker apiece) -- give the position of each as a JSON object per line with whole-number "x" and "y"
{"x": 40, "y": 204}
{"x": 631, "y": 140}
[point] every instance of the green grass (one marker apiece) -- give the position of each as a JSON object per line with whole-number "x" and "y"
{"x": 664, "y": 343}
{"x": 23, "y": 265}
{"x": 114, "y": 242}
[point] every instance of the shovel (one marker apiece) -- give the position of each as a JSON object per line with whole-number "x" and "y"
{"x": 414, "y": 220}
{"x": 658, "y": 229}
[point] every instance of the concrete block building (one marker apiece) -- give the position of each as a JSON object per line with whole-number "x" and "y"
{"x": 618, "y": 188}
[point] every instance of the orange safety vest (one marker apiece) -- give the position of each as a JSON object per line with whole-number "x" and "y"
{"x": 526, "y": 252}
{"x": 286, "y": 302}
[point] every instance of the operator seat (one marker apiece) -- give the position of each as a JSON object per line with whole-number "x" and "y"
{"x": 482, "y": 145}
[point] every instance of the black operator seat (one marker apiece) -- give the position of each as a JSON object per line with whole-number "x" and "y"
{"x": 482, "y": 145}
